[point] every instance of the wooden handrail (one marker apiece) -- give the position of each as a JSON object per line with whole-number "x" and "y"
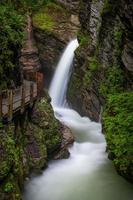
{"x": 17, "y": 99}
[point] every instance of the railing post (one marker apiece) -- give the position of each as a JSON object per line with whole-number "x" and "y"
{"x": 1, "y": 106}
{"x": 39, "y": 81}
{"x": 22, "y": 98}
{"x": 36, "y": 79}
{"x": 10, "y": 105}
{"x": 31, "y": 93}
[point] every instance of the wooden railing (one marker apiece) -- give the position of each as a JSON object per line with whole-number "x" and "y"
{"x": 15, "y": 100}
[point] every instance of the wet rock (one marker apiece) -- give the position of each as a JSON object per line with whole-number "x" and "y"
{"x": 127, "y": 56}
{"x": 67, "y": 140}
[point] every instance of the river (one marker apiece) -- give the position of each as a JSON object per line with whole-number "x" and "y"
{"x": 87, "y": 174}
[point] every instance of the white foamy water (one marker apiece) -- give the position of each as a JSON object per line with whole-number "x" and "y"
{"x": 87, "y": 174}
{"x": 59, "y": 83}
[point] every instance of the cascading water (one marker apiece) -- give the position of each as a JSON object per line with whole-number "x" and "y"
{"x": 58, "y": 87}
{"x": 87, "y": 174}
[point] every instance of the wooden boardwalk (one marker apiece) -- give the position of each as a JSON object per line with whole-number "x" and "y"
{"x": 15, "y": 100}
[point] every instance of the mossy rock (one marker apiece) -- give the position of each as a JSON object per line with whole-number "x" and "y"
{"x": 35, "y": 148}
{"x": 118, "y": 129}
{"x": 10, "y": 189}
{"x": 50, "y": 16}
{"x": 44, "y": 118}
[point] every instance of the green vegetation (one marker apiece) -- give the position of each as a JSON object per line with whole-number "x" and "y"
{"x": 92, "y": 67}
{"x": 114, "y": 75}
{"x": 83, "y": 39}
{"x": 27, "y": 149}
{"x": 118, "y": 121}
{"x": 110, "y": 7}
{"x": 49, "y": 16}
{"x": 49, "y": 126}
{"x": 93, "y": 64}
{"x": 44, "y": 21}
{"x": 8, "y": 187}
{"x": 12, "y": 23}
{"x": 113, "y": 83}
{"x": 11, "y": 36}
{"x": 107, "y": 7}
{"x": 118, "y": 110}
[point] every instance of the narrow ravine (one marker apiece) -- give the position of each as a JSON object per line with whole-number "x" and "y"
{"x": 87, "y": 174}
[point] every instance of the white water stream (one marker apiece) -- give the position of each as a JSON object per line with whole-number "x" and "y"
{"x": 87, "y": 174}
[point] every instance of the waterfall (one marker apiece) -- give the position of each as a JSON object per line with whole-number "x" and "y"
{"x": 57, "y": 93}
{"x": 87, "y": 174}
{"x": 58, "y": 86}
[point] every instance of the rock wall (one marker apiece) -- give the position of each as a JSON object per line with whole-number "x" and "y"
{"x": 104, "y": 41}
{"x": 86, "y": 91}
{"x": 102, "y": 75}
{"x": 29, "y": 59}
{"x": 73, "y": 5}
{"x": 52, "y": 33}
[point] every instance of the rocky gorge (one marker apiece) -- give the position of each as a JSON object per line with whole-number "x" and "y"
{"x": 100, "y": 87}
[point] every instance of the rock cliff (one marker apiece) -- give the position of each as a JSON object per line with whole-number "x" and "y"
{"x": 73, "y": 5}
{"x": 102, "y": 77}
{"x": 54, "y": 26}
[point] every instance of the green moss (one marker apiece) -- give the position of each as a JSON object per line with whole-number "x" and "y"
{"x": 8, "y": 187}
{"x": 110, "y": 7}
{"x": 87, "y": 78}
{"x": 118, "y": 35}
{"x": 7, "y": 146}
{"x": 107, "y": 7}
{"x": 44, "y": 21}
{"x": 92, "y": 66}
{"x": 83, "y": 38}
{"x": 113, "y": 81}
{"x": 49, "y": 17}
{"x": 118, "y": 120}
{"x": 114, "y": 75}
{"x": 50, "y": 126}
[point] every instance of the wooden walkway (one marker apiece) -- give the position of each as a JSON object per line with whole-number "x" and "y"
{"x": 12, "y": 101}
